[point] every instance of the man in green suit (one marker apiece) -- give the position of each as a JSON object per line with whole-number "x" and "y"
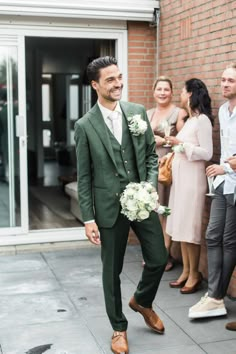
{"x": 109, "y": 156}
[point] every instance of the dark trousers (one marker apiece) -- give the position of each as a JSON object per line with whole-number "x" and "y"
{"x": 221, "y": 243}
{"x": 114, "y": 241}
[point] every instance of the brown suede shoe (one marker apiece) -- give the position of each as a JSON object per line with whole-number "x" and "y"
{"x": 119, "y": 343}
{"x": 231, "y": 326}
{"x": 150, "y": 317}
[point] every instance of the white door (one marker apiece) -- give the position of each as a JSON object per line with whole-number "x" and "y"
{"x": 13, "y": 181}
{"x": 14, "y": 208}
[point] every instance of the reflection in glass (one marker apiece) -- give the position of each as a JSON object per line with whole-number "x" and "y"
{"x": 46, "y": 111}
{"x": 9, "y": 143}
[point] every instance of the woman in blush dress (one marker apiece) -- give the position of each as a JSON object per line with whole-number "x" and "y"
{"x": 193, "y": 147}
{"x": 165, "y": 114}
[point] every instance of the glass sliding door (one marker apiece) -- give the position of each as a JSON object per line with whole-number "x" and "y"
{"x": 11, "y": 131}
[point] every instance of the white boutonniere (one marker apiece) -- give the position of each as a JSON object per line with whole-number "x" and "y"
{"x": 137, "y": 125}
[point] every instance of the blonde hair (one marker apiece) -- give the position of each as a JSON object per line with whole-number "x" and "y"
{"x": 161, "y": 79}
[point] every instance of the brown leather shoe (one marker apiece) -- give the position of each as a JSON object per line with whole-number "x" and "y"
{"x": 119, "y": 343}
{"x": 177, "y": 284}
{"x": 150, "y": 317}
{"x": 192, "y": 289}
{"x": 231, "y": 326}
{"x": 170, "y": 264}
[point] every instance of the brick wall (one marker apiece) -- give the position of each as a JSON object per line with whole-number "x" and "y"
{"x": 141, "y": 62}
{"x": 142, "y": 53}
{"x": 198, "y": 39}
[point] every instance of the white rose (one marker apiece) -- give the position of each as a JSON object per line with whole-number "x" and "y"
{"x": 143, "y": 214}
{"x": 131, "y": 205}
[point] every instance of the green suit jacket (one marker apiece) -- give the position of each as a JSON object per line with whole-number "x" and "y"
{"x": 98, "y": 180}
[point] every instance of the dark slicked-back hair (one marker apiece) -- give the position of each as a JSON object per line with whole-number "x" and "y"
{"x": 200, "y": 100}
{"x": 93, "y": 69}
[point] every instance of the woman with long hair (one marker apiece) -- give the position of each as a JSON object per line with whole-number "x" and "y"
{"x": 193, "y": 146}
{"x": 165, "y": 114}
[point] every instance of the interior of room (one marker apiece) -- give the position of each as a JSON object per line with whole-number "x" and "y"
{"x": 57, "y": 95}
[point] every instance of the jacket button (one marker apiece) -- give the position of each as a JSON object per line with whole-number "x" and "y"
{"x": 117, "y": 194}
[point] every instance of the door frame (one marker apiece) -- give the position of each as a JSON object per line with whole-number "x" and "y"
{"x": 13, "y": 40}
{"x": 22, "y": 235}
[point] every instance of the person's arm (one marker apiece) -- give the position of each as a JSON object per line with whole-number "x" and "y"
{"x": 159, "y": 140}
{"x": 181, "y": 119}
{"x": 84, "y": 173}
{"x": 232, "y": 162}
{"x": 214, "y": 170}
{"x": 228, "y": 166}
{"x": 151, "y": 156}
{"x": 204, "y": 150}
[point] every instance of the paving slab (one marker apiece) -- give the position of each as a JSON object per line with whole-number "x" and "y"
{"x": 203, "y": 330}
{"x": 28, "y": 282}
{"x": 53, "y": 302}
{"x": 228, "y": 347}
{"x": 22, "y": 263}
{"x": 17, "y": 310}
{"x": 69, "y": 337}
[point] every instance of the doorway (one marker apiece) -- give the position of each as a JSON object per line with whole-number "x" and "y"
{"x": 57, "y": 94}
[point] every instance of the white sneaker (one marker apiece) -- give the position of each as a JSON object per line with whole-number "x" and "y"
{"x": 207, "y": 307}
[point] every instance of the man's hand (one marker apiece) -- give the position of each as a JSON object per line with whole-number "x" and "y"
{"x": 91, "y": 231}
{"x": 232, "y": 162}
{"x": 214, "y": 170}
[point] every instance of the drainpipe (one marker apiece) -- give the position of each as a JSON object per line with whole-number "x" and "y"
{"x": 155, "y": 23}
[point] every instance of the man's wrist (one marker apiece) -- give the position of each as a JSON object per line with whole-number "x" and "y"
{"x": 89, "y": 222}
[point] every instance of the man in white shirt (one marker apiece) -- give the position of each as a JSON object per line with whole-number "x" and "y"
{"x": 221, "y": 231}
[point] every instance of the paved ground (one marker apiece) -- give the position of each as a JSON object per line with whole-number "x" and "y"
{"x": 52, "y": 302}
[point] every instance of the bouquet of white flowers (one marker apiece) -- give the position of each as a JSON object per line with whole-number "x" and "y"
{"x": 139, "y": 199}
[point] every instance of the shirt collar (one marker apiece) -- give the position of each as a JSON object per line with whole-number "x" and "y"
{"x": 227, "y": 110}
{"x": 106, "y": 112}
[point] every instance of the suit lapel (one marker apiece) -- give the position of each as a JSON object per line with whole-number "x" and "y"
{"x": 97, "y": 121}
{"x": 128, "y": 110}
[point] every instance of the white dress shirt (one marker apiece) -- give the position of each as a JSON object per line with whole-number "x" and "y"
{"x": 228, "y": 147}
{"x": 107, "y": 112}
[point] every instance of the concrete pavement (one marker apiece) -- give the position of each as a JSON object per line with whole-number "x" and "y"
{"x": 52, "y": 302}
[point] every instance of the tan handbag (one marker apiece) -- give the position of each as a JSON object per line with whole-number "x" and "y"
{"x": 165, "y": 171}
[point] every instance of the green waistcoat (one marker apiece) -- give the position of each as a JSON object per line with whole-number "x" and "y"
{"x": 125, "y": 156}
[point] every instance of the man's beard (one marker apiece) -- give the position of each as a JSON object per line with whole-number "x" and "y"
{"x": 229, "y": 95}
{"x": 112, "y": 99}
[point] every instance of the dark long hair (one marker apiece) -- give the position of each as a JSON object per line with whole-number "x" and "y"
{"x": 93, "y": 69}
{"x": 199, "y": 101}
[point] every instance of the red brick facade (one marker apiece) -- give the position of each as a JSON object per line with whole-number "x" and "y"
{"x": 141, "y": 62}
{"x": 196, "y": 39}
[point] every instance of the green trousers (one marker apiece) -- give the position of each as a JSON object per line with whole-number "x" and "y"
{"x": 113, "y": 245}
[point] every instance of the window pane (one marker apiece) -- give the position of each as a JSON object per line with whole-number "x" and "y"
{"x": 74, "y": 101}
{"x": 46, "y": 138}
{"x": 46, "y": 102}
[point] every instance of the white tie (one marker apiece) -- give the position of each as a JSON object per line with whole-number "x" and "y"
{"x": 116, "y": 124}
